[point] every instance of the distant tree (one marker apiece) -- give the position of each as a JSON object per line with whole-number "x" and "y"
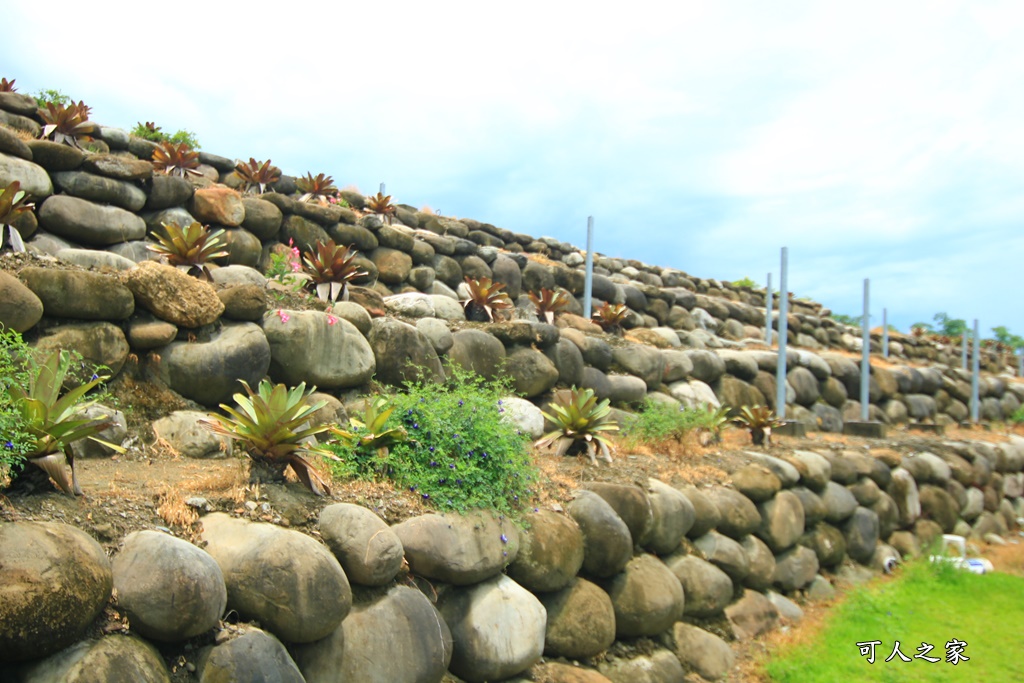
{"x": 922, "y": 328}
{"x": 950, "y": 327}
{"x": 847, "y": 319}
{"x": 1007, "y": 338}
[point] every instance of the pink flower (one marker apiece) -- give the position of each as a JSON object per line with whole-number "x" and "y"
{"x": 284, "y": 316}
{"x": 331, "y": 319}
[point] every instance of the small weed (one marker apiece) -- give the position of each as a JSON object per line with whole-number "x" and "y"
{"x": 659, "y": 423}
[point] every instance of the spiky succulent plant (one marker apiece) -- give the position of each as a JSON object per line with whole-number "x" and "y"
{"x": 484, "y": 297}
{"x": 579, "y": 421}
{"x": 610, "y": 317}
{"x": 381, "y": 205}
{"x": 316, "y": 188}
{"x": 190, "y": 248}
{"x": 66, "y": 124}
{"x": 549, "y": 302}
{"x": 180, "y": 160}
{"x": 54, "y": 421}
{"x": 7, "y": 85}
{"x": 368, "y": 437}
{"x": 272, "y": 424}
{"x": 13, "y": 203}
{"x": 759, "y": 421}
{"x": 330, "y": 268}
{"x": 256, "y": 175}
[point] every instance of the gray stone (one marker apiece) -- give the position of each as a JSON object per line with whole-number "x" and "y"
{"x": 607, "y": 542}
{"x": 478, "y": 352}
{"x": 208, "y": 372}
{"x": 458, "y": 549}
{"x": 531, "y": 372}
{"x": 795, "y": 568}
{"x": 186, "y": 435}
{"x": 706, "y": 514}
{"x": 369, "y": 551}
{"x": 725, "y": 553}
{"x": 306, "y": 346}
{"x": 497, "y": 628}
{"x": 787, "y": 609}
{"x": 761, "y": 562}
{"x": 751, "y": 615}
{"x": 88, "y": 223}
{"x": 34, "y": 179}
{"x": 166, "y": 191}
{"x": 170, "y": 589}
{"x": 91, "y": 258}
{"x": 550, "y": 552}
{"x": 739, "y": 516}
{"x": 704, "y": 652}
{"x": 815, "y": 470}
{"x": 115, "y": 658}
{"x": 626, "y": 389}
{"x": 839, "y": 503}
{"x": 861, "y": 533}
{"x": 96, "y": 188}
{"x": 707, "y": 589}
{"x": 20, "y": 308}
{"x": 568, "y": 360}
{"x": 580, "y": 621}
{"x": 39, "y": 614}
{"x": 904, "y": 491}
{"x": 79, "y": 294}
{"x": 673, "y": 516}
{"x": 756, "y": 482}
{"x": 707, "y": 366}
{"x": 115, "y": 433}
{"x": 284, "y": 579}
{"x": 99, "y": 343}
{"x": 402, "y": 353}
{"x": 253, "y": 655}
{"x": 647, "y": 597}
{"x": 631, "y": 504}
{"x": 782, "y": 521}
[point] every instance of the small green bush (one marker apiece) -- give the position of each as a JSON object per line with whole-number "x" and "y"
{"x": 14, "y": 439}
{"x": 460, "y": 454}
{"x": 659, "y": 422}
{"x": 51, "y": 95}
{"x": 745, "y": 282}
{"x": 154, "y": 134}
{"x": 1017, "y": 417}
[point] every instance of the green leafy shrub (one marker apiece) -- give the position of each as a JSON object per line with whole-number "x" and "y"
{"x": 580, "y": 423}
{"x": 1017, "y": 417}
{"x": 745, "y": 282}
{"x": 51, "y": 96}
{"x": 659, "y": 422}
{"x": 368, "y": 443}
{"x": 152, "y": 132}
{"x": 15, "y": 437}
{"x": 460, "y": 453}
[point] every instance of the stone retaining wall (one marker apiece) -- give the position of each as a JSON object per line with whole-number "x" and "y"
{"x": 690, "y": 569}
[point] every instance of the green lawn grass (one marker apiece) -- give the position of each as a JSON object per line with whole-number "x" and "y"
{"x": 928, "y": 603}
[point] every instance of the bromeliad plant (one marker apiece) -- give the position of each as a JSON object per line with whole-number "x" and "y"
{"x": 549, "y": 302}
{"x": 13, "y": 203}
{"x": 272, "y": 423}
{"x": 256, "y": 176}
{"x": 190, "y": 248}
{"x": 53, "y": 421}
{"x": 484, "y": 298}
{"x": 610, "y": 317}
{"x": 316, "y": 189}
{"x": 66, "y": 124}
{"x": 330, "y": 268}
{"x": 176, "y": 159}
{"x": 7, "y": 85}
{"x": 368, "y": 441}
{"x": 381, "y": 205}
{"x": 712, "y": 421}
{"x": 580, "y": 421}
{"x": 759, "y": 421}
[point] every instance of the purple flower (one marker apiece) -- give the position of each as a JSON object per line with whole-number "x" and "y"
{"x": 461, "y": 403}
{"x": 9, "y": 444}
{"x": 433, "y": 463}
{"x": 426, "y": 496}
{"x": 499, "y": 402}
{"x": 431, "y": 449}
{"x": 451, "y": 466}
{"x": 415, "y": 425}
{"x": 413, "y": 487}
{"x": 504, "y": 538}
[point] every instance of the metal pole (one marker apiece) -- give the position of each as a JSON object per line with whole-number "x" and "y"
{"x": 865, "y": 361}
{"x": 885, "y": 333}
{"x": 963, "y": 350}
{"x": 780, "y": 368}
{"x": 768, "y": 312}
{"x": 382, "y": 188}
{"x": 588, "y": 282}
{"x": 975, "y": 375}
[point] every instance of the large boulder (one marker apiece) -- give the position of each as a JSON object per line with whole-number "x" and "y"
{"x": 83, "y": 222}
{"x": 782, "y": 520}
{"x": 33, "y": 178}
{"x": 672, "y": 517}
{"x": 171, "y": 295}
{"x": 170, "y": 589}
{"x": 56, "y": 579}
{"x": 369, "y": 551}
{"x": 113, "y": 659}
{"x": 861, "y": 533}
{"x": 531, "y": 371}
{"x": 725, "y": 553}
{"x": 647, "y": 597}
{"x": 707, "y": 366}
{"x": 550, "y": 552}
{"x": 642, "y": 361}
{"x": 183, "y": 430}
{"x": 20, "y": 308}
{"x": 739, "y": 515}
{"x": 252, "y": 655}
{"x": 707, "y": 588}
{"x": 497, "y": 627}
{"x": 99, "y": 343}
{"x": 827, "y": 542}
{"x": 458, "y": 549}
{"x": 706, "y": 514}
{"x": 477, "y": 351}
{"x": 751, "y": 615}
{"x": 607, "y": 542}
{"x": 402, "y": 353}
{"x": 631, "y": 504}
{"x": 208, "y": 371}
{"x": 581, "y": 621}
{"x": 102, "y": 190}
{"x": 839, "y": 503}
{"x": 79, "y": 294}
{"x": 704, "y": 652}
{"x": 284, "y": 579}
{"x": 317, "y": 348}
{"x": 795, "y": 568}
{"x": 220, "y": 205}
{"x": 398, "y": 637}
{"x": 761, "y": 561}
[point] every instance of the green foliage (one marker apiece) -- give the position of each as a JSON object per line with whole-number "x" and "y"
{"x": 152, "y": 132}
{"x": 16, "y": 440}
{"x": 949, "y": 327}
{"x": 272, "y": 425}
{"x": 579, "y": 421}
{"x": 1007, "y": 338}
{"x": 759, "y": 421}
{"x": 69, "y": 124}
{"x": 44, "y": 97}
{"x": 852, "y": 320}
{"x": 53, "y": 418}
{"x": 368, "y": 443}
{"x": 745, "y": 282}
{"x": 930, "y": 603}
{"x": 330, "y": 268}
{"x": 610, "y": 317}
{"x": 190, "y": 248}
{"x": 1017, "y": 417}
{"x": 659, "y": 422}
{"x": 461, "y": 453}
{"x": 13, "y": 203}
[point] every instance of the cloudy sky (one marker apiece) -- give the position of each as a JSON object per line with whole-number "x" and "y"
{"x": 874, "y": 139}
